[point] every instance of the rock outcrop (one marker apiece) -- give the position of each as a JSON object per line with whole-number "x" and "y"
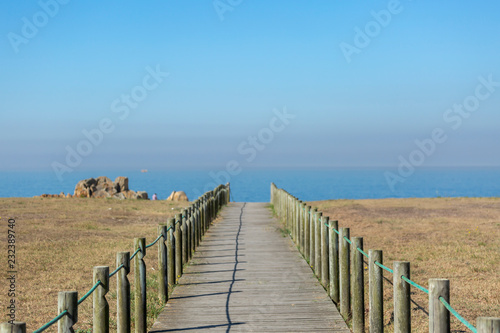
{"x": 103, "y": 187}
{"x": 178, "y": 196}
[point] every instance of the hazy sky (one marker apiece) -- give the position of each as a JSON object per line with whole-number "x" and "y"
{"x": 264, "y": 83}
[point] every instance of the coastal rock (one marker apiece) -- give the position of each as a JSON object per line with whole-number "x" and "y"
{"x": 121, "y": 184}
{"x": 83, "y": 188}
{"x": 178, "y": 196}
{"x": 103, "y": 187}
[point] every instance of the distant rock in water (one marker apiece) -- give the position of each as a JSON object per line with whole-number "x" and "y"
{"x": 178, "y": 196}
{"x": 103, "y": 187}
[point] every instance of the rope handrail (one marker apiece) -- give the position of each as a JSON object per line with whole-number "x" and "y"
{"x": 457, "y": 315}
{"x": 136, "y": 251}
{"x": 52, "y": 322}
{"x": 116, "y": 270}
{"x": 384, "y": 267}
{"x": 156, "y": 240}
{"x": 89, "y": 292}
{"x": 362, "y": 252}
{"x": 404, "y": 278}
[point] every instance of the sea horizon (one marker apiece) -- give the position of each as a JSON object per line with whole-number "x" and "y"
{"x": 252, "y": 184}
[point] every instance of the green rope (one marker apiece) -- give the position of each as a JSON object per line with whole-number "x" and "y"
{"x": 336, "y": 231}
{"x": 348, "y": 240}
{"x": 362, "y": 252}
{"x": 156, "y": 240}
{"x": 89, "y": 292}
{"x": 384, "y": 267}
{"x": 50, "y": 323}
{"x": 414, "y": 284}
{"x": 455, "y": 313}
{"x": 136, "y": 251}
{"x": 116, "y": 270}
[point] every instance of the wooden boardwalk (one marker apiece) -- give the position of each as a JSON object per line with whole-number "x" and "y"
{"x": 247, "y": 277}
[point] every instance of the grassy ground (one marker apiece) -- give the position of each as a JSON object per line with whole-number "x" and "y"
{"x": 60, "y": 240}
{"x": 453, "y": 238}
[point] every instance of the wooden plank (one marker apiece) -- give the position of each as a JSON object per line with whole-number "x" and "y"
{"x": 246, "y": 277}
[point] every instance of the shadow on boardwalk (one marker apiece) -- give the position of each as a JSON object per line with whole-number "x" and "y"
{"x": 246, "y": 277}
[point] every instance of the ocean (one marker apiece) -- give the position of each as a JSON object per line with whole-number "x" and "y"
{"x": 254, "y": 185}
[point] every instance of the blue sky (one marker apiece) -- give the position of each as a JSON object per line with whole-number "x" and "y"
{"x": 230, "y": 66}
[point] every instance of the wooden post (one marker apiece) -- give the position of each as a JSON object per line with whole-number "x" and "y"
{"x": 312, "y": 238}
{"x": 402, "y": 319}
{"x": 197, "y": 223}
{"x": 345, "y": 273}
{"x": 324, "y": 253}
{"x": 376, "y": 292}
{"x": 15, "y": 327}
{"x": 317, "y": 244}
{"x": 357, "y": 286}
{"x": 178, "y": 247}
{"x": 439, "y": 316}
{"x": 189, "y": 232}
{"x": 333, "y": 256}
{"x": 67, "y": 300}
{"x": 123, "y": 293}
{"x": 171, "y": 254}
{"x": 140, "y": 285}
{"x": 184, "y": 236}
{"x": 307, "y": 232}
{"x": 101, "y": 306}
{"x": 303, "y": 227}
{"x": 488, "y": 325}
{"x": 162, "y": 265}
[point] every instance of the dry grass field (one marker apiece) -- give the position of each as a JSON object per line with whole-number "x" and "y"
{"x": 453, "y": 238}
{"x": 60, "y": 240}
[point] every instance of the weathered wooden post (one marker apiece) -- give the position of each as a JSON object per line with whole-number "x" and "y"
{"x": 345, "y": 273}
{"x": 299, "y": 223}
{"x": 333, "y": 256}
{"x": 376, "y": 292}
{"x": 140, "y": 285}
{"x": 67, "y": 300}
{"x": 189, "y": 224}
{"x": 312, "y": 238}
{"x": 15, "y": 327}
{"x": 324, "y": 252}
{"x": 196, "y": 220}
{"x": 171, "y": 254}
{"x": 123, "y": 293}
{"x": 100, "y": 304}
{"x": 439, "y": 316}
{"x": 488, "y": 325}
{"x": 402, "y": 319}
{"x": 178, "y": 247}
{"x": 317, "y": 244}
{"x": 184, "y": 231}
{"x": 162, "y": 265}
{"x": 307, "y": 231}
{"x": 357, "y": 286}
{"x": 303, "y": 227}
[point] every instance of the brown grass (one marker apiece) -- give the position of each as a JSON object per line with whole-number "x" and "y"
{"x": 60, "y": 240}
{"x": 453, "y": 238}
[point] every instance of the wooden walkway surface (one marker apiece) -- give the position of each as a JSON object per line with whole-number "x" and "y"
{"x": 247, "y": 277}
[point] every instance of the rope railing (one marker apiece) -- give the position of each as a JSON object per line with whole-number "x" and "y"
{"x": 323, "y": 247}
{"x": 52, "y": 322}
{"x": 180, "y": 241}
{"x": 81, "y": 300}
{"x": 155, "y": 241}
